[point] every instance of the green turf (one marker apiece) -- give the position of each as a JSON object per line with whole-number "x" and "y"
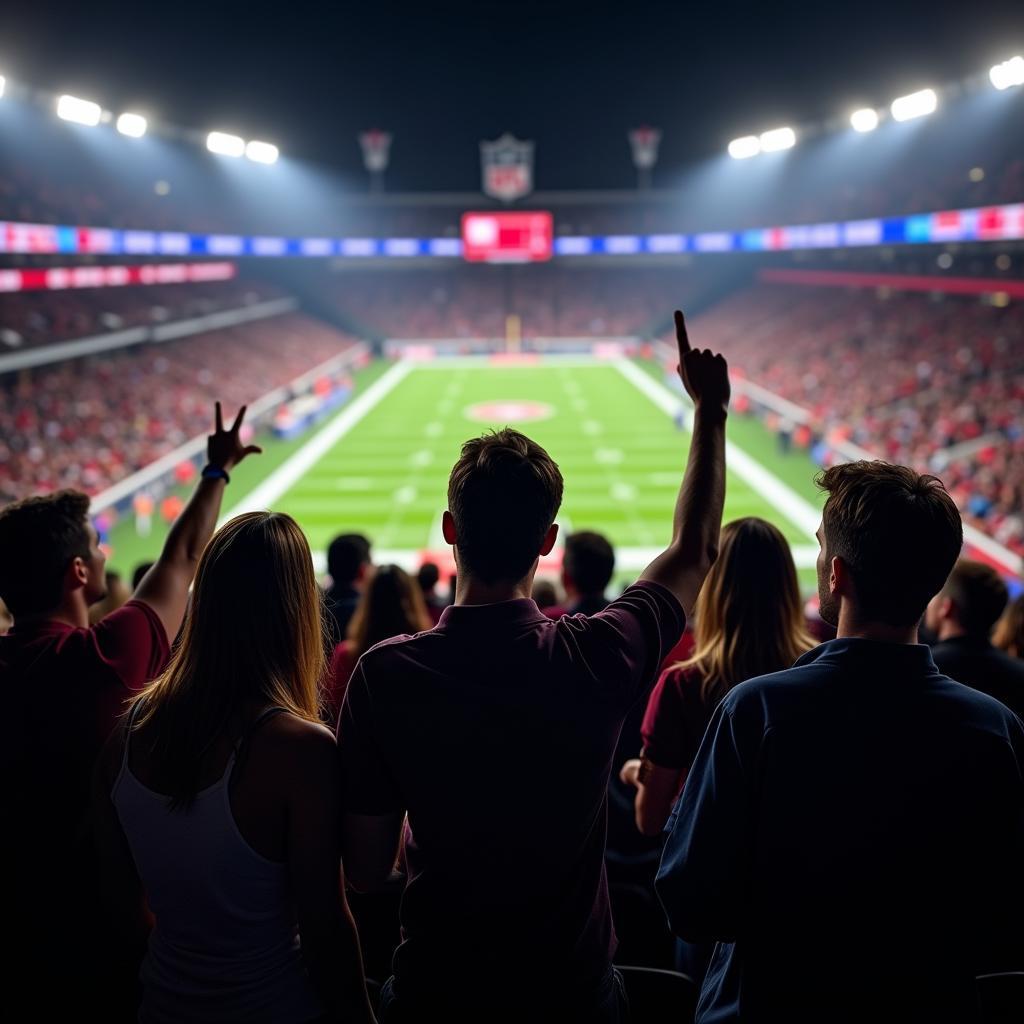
{"x": 621, "y": 455}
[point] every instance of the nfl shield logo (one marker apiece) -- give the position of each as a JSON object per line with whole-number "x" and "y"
{"x": 508, "y": 168}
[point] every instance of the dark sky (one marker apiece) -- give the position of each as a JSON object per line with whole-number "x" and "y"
{"x": 441, "y": 76}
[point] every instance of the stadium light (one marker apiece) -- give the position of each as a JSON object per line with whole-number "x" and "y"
{"x": 261, "y": 152}
{"x": 133, "y": 125}
{"x": 864, "y": 120}
{"x": 742, "y": 149}
{"x": 777, "y": 139}
{"x": 917, "y": 104}
{"x": 1010, "y": 72}
{"x": 225, "y": 144}
{"x": 71, "y": 108}
{"x": 3, "y": 84}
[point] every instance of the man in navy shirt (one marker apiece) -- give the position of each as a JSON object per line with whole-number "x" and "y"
{"x": 496, "y": 731}
{"x": 852, "y": 831}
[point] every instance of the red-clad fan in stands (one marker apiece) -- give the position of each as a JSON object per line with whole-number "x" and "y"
{"x": 65, "y": 683}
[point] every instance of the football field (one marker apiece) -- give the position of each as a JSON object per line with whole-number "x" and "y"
{"x": 380, "y": 465}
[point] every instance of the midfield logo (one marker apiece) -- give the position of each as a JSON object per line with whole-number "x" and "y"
{"x": 507, "y": 168}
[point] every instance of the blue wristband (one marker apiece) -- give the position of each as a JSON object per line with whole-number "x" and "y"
{"x": 211, "y": 472}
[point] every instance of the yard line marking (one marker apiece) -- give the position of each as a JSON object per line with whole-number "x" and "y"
{"x": 631, "y": 559}
{"x": 296, "y": 466}
{"x": 800, "y": 512}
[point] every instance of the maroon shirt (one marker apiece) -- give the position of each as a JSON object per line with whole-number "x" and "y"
{"x": 676, "y": 719}
{"x": 63, "y": 689}
{"x": 496, "y": 731}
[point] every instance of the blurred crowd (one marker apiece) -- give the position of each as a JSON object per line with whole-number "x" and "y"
{"x": 39, "y": 318}
{"x": 89, "y": 422}
{"x": 540, "y": 301}
{"x": 936, "y": 382}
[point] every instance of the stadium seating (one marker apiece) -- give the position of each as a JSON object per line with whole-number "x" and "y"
{"x": 933, "y": 382}
{"x": 93, "y": 421}
{"x": 29, "y": 319}
{"x": 549, "y": 302}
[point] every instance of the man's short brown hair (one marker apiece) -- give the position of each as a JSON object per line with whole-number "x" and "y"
{"x": 979, "y": 596}
{"x": 39, "y": 537}
{"x": 503, "y": 494}
{"x": 898, "y": 531}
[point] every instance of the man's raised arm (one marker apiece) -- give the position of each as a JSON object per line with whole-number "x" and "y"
{"x": 682, "y": 566}
{"x": 165, "y": 587}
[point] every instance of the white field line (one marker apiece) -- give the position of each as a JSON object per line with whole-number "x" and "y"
{"x": 800, "y": 512}
{"x": 293, "y": 468}
{"x": 628, "y": 559}
{"x": 483, "y": 362}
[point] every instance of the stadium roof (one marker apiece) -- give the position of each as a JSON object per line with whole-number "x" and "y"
{"x": 573, "y": 77}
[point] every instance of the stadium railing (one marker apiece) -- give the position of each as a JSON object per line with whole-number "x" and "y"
{"x": 159, "y": 474}
{"x": 137, "y": 335}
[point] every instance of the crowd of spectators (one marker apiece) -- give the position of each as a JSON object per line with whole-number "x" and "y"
{"x": 471, "y": 766}
{"x": 39, "y": 318}
{"x": 936, "y": 382}
{"x": 89, "y": 422}
{"x": 543, "y": 301}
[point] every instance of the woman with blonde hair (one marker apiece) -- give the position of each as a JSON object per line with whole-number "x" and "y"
{"x": 749, "y": 621}
{"x": 218, "y": 802}
{"x": 1009, "y": 632}
{"x": 391, "y": 605}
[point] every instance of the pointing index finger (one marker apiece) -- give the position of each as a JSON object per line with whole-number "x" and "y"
{"x": 238, "y": 420}
{"x": 681, "y": 336}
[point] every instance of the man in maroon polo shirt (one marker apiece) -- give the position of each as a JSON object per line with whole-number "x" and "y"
{"x": 495, "y": 731}
{"x": 64, "y": 684}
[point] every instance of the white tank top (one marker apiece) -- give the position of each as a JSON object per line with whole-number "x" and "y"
{"x": 225, "y": 946}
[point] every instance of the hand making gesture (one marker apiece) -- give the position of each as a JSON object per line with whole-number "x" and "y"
{"x": 224, "y": 448}
{"x": 704, "y": 374}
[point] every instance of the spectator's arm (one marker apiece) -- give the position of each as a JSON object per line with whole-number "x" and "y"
{"x": 703, "y": 875}
{"x": 373, "y": 806}
{"x": 165, "y": 587}
{"x": 330, "y": 943}
{"x": 370, "y": 848}
{"x": 656, "y": 791}
{"x": 681, "y": 568}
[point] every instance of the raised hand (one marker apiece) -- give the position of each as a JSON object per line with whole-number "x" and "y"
{"x": 704, "y": 374}
{"x": 224, "y": 448}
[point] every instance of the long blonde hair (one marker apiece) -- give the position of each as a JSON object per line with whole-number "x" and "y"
{"x": 254, "y": 633}
{"x": 749, "y": 613}
{"x": 1009, "y": 634}
{"x": 391, "y": 604}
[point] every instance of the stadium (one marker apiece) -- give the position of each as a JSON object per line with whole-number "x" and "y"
{"x": 861, "y": 269}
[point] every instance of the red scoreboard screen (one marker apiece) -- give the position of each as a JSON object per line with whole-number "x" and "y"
{"x": 506, "y": 237}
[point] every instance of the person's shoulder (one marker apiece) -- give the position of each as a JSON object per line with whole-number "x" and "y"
{"x": 977, "y": 706}
{"x": 397, "y": 649}
{"x": 644, "y": 597}
{"x": 682, "y": 677}
{"x": 300, "y": 740}
{"x": 768, "y": 690}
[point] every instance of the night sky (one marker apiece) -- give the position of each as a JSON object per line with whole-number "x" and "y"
{"x": 441, "y": 76}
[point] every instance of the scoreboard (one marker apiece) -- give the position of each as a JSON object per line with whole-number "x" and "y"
{"x": 507, "y": 236}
